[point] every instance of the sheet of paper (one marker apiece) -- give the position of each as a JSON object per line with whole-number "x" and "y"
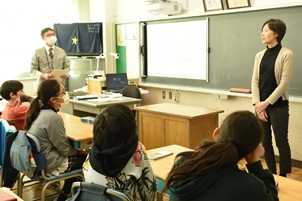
{"x": 159, "y": 155}
{"x": 58, "y": 72}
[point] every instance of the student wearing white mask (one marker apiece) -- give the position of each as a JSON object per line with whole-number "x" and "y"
{"x": 48, "y": 58}
{"x": 43, "y": 121}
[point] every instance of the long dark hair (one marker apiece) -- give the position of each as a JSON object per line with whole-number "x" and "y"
{"x": 114, "y": 126}
{"x": 239, "y": 135}
{"x": 46, "y": 90}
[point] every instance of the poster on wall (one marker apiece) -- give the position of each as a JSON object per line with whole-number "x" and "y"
{"x": 121, "y": 35}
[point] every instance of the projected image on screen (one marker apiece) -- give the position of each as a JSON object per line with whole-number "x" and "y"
{"x": 116, "y": 81}
{"x": 178, "y": 49}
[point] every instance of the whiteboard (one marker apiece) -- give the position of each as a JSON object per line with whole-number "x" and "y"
{"x": 178, "y": 49}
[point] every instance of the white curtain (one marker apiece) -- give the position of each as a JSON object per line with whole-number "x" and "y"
{"x": 21, "y": 24}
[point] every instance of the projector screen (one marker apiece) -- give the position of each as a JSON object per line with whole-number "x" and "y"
{"x": 178, "y": 49}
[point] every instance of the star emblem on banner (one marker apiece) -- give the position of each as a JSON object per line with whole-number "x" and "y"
{"x": 74, "y": 40}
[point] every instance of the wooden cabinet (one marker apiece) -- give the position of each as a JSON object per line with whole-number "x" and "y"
{"x": 166, "y": 124}
{"x": 95, "y": 86}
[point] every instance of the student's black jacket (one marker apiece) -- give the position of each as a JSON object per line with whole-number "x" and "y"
{"x": 227, "y": 184}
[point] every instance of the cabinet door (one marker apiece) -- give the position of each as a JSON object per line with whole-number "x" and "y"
{"x": 151, "y": 130}
{"x": 176, "y": 131}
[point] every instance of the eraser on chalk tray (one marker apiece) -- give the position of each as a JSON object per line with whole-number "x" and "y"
{"x": 241, "y": 90}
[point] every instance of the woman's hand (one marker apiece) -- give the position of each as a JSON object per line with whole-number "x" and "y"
{"x": 261, "y": 106}
{"x": 255, "y": 155}
{"x": 263, "y": 116}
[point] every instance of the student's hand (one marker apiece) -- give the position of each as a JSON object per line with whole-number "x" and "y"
{"x": 84, "y": 152}
{"x": 263, "y": 116}
{"x": 64, "y": 76}
{"x": 255, "y": 155}
{"x": 47, "y": 76}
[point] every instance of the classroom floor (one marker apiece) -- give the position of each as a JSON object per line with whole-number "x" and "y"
{"x": 33, "y": 193}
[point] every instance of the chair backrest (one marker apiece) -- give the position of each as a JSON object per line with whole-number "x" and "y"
{"x": 131, "y": 91}
{"x": 90, "y": 191}
{"x": 24, "y": 146}
{"x": 36, "y": 150}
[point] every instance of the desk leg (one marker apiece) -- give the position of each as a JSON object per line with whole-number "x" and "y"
{"x": 159, "y": 196}
{"x": 159, "y": 185}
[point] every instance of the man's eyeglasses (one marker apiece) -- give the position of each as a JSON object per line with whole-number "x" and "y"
{"x": 49, "y": 35}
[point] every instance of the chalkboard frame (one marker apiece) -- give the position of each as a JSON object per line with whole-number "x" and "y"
{"x": 231, "y": 66}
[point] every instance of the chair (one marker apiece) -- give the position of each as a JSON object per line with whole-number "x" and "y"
{"x": 133, "y": 92}
{"x": 5, "y": 127}
{"x": 82, "y": 191}
{"x": 41, "y": 164}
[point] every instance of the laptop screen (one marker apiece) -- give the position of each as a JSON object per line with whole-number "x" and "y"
{"x": 116, "y": 81}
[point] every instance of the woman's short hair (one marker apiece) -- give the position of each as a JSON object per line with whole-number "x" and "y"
{"x": 277, "y": 26}
{"x": 114, "y": 126}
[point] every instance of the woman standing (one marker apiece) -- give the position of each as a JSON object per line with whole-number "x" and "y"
{"x": 273, "y": 70}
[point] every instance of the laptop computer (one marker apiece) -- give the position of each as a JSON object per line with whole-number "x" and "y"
{"x": 116, "y": 81}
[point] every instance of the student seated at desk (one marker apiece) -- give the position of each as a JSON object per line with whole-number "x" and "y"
{"x": 211, "y": 171}
{"x": 117, "y": 159}
{"x": 43, "y": 122}
{"x": 14, "y": 111}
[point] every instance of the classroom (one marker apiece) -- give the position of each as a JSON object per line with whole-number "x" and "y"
{"x": 224, "y": 68}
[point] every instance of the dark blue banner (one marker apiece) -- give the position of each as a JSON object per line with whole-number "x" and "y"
{"x": 79, "y": 39}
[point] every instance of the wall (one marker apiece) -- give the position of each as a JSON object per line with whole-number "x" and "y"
{"x": 134, "y": 10}
{"x": 18, "y": 22}
{"x": 28, "y": 85}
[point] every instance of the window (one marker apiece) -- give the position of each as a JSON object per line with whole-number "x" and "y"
{"x": 22, "y": 22}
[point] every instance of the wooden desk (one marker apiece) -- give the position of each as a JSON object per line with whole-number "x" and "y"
{"x": 165, "y": 124}
{"x": 8, "y": 191}
{"x": 288, "y": 190}
{"x": 162, "y": 166}
{"x": 79, "y": 133}
{"x": 83, "y": 108}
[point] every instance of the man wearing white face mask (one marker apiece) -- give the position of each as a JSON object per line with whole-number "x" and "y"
{"x": 48, "y": 58}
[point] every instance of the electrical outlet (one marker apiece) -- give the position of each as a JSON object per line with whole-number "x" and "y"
{"x": 163, "y": 95}
{"x": 175, "y": 96}
{"x": 170, "y": 94}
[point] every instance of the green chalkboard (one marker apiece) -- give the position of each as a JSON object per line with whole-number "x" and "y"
{"x": 234, "y": 40}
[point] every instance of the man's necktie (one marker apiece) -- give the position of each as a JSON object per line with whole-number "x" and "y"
{"x": 50, "y": 52}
